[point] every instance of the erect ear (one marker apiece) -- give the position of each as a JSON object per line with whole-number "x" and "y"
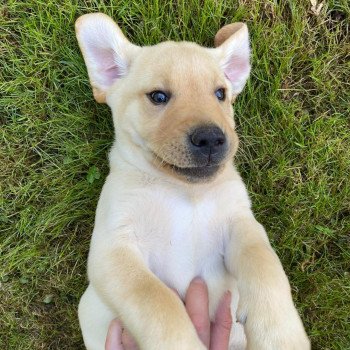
{"x": 225, "y": 32}
{"x": 107, "y": 53}
{"x": 233, "y": 51}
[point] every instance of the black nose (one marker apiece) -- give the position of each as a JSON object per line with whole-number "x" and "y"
{"x": 208, "y": 143}
{"x": 208, "y": 137}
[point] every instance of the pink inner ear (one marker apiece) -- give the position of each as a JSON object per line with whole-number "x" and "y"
{"x": 236, "y": 68}
{"x": 105, "y": 60}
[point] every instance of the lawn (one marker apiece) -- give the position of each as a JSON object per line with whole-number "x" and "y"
{"x": 293, "y": 121}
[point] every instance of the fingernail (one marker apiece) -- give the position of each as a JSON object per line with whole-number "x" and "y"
{"x": 115, "y": 323}
{"x": 228, "y": 296}
{"x": 198, "y": 280}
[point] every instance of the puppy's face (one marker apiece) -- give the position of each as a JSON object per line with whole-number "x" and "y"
{"x": 172, "y": 100}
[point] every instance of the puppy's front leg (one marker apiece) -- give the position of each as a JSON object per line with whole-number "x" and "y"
{"x": 153, "y": 314}
{"x": 272, "y": 322}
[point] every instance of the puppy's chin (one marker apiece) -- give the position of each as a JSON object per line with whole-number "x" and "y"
{"x": 197, "y": 174}
{"x": 194, "y": 174}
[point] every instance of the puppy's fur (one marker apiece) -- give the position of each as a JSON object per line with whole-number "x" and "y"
{"x": 165, "y": 217}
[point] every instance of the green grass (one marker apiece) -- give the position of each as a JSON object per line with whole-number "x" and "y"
{"x": 293, "y": 118}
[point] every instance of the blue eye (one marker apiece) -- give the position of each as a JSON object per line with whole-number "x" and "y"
{"x": 158, "y": 97}
{"x": 220, "y": 94}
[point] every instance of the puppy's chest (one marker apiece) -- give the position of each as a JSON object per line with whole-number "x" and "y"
{"x": 181, "y": 238}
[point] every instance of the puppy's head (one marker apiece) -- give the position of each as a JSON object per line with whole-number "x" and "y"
{"x": 171, "y": 100}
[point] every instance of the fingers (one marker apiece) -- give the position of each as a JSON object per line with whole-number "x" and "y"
{"x": 119, "y": 338}
{"x": 221, "y": 328}
{"x": 114, "y": 336}
{"x": 128, "y": 341}
{"x": 197, "y": 305}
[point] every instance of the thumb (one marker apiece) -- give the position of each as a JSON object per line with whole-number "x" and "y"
{"x": 221, "y": 328}
{"x": 114, "y": 336}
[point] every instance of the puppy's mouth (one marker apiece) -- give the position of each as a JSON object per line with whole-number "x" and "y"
{"x": 199, "y": 173}
{"x": 192, "y": 174}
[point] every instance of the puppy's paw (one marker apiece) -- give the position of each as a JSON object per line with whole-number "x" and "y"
{"x": 296, "y": 342}
{"x": 193, "y": 345}
{"x": 274, "y": 340}
{"x": 277, "y": 327}
{"x": 175, "y": 342}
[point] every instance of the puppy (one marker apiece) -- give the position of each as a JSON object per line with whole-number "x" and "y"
{"x": 173, "y": 206}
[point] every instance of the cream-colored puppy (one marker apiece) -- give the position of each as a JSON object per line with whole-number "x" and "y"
{"x": 173, "y": 206}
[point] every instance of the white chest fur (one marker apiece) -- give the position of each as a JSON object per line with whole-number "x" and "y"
{"x": 181, "y": 235}
{"x": 190, "y": 239}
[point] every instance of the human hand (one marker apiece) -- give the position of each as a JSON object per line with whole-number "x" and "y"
{"x": 214, "y": 335}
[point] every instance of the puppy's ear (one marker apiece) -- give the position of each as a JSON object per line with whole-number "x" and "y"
{"x": 225, "y": 32}
{"x": 233, "y": 51}
{"x": 107, "y": 53}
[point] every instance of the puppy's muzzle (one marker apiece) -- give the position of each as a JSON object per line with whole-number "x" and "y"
{"x": 208, "y": 145}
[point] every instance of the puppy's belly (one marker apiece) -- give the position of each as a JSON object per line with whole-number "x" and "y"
{"x": 178, "y": 275}
{"x": 177, "y": 271}
{"x": 182, "y": 239}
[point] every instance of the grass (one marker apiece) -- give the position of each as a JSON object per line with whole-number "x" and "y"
{"x": 293, "y": 118}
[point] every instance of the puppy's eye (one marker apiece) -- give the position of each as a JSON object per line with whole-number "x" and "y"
{"x": 220, "y": 94}
{"x": 158, "y": 97}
